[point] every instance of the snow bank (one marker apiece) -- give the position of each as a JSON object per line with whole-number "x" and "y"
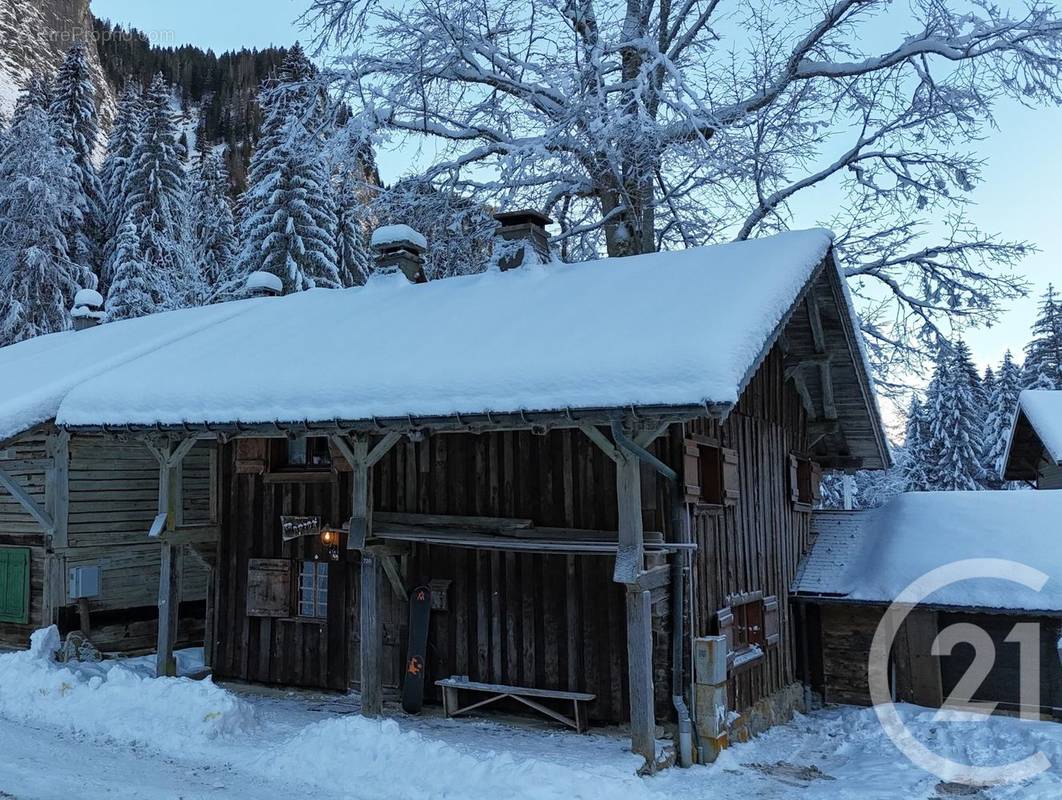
{"x": 377, "y": 759}
{"x": 1043, "y": 409}
{"x": 917, "y": 532}
{"x": 642, "y": 330}
{"x": 112, "y": 701}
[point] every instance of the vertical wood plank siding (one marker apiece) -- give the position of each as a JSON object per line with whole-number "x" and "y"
{"x": 755, "y": 545}
{"x": 555, "y": 621}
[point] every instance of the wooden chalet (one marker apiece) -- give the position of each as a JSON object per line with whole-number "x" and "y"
{"x": 1034, "y": 454}
{"x": 861, "y": 561}
{"x": 590, "y": 465}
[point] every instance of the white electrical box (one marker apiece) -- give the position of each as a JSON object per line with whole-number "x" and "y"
{"x": 83, "y": 582}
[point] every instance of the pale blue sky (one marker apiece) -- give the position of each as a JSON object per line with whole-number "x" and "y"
{"x": 1019, "y": 197}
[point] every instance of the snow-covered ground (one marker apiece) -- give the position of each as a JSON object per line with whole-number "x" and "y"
{"x": 112, "y": 730}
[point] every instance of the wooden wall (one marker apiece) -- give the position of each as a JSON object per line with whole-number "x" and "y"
{"x": 756, "y": 544}
{"x": 27, "y": 461}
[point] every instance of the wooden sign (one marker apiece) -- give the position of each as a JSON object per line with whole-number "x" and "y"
{"x": 295, "y": 527}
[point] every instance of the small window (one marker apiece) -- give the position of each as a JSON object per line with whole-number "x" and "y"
{"x": 750, "y": 624}
{"x": 310, "y": 452}
{"x": 313, "y": 589}
{"x": 711, "y": 473}
{"x": 805, "y": 477}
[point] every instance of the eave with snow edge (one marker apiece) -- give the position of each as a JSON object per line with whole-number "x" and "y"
{"x": 870, "y": 556}
{"x": 665, "y": 336}
{"x": 1035, "y": 435}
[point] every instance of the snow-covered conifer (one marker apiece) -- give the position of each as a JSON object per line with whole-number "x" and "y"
{"x": 1043, "y": 355}
{"x": 955, "y": 447}
{"x": 132, "y": 293}
{"x": 289, "y": 222}
{"x": 40, "y": 204}
{"x": 213, "y": 223}
{"x": 1001, "y": 405}
{"x": 915, "y": 448}
{"x": 73, "y": 107}
{"x": 120, "y": 145}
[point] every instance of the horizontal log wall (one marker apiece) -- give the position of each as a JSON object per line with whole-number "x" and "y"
{"x": 755, "y": 544}
{"x": 27, "y": 461}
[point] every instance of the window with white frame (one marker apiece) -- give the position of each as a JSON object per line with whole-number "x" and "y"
{"x": 313, "y": 589}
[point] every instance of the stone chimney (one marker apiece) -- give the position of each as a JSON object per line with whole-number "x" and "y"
{"x": 399, "y": 248}
{"x": 264, "y": 284}
{"x": 88, "y": 309}
{"x": 528, "y": 227}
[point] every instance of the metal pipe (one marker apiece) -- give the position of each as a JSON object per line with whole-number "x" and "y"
{"x": 680, "y": 530}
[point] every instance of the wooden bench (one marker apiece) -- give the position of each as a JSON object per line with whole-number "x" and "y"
{"x": 528, "y": 696}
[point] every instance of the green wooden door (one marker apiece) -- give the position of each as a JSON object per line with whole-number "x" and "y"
{"x": 14, "y": 584}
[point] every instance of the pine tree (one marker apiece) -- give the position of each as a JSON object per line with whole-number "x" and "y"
{"x": 120, "y": 145}
{"x": 955, "y": 447}
{"x": 915, "y": 448}
{"x": 289, "y": 221}
{"x": 213, "y": 224}
{"x": 40, "y": 198}
{"x": 74, "y": 110}
{"x": 1002, "y": 404}
{"x": 156, "y": 201}
{"x": 353, "y": 180}
{"x": 131, "y": 292}
{"x": 1043, "y": 355}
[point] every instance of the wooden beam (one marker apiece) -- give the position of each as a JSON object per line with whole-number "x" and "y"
{"x": 171, "y": 557}
{"x": 630, "y": 555}
{"x": 394, "y": 575}
{"x": 27, "y": 502}
{"x": 640, "y": 675}
{"x": 371, "y": 644}
{"x": 171, "y": 568}
{"x": 646, "y": 437}
{"x": 602, "y": 441}
{"x": 57, "y": 487}
{"x": 382, "y": 447}
{"x": 815, "y": 317}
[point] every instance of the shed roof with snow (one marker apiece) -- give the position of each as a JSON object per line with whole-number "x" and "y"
{"x": 1036, "y": 435}
{"x": 684, "y": 329}
{"x": 871, "y": 556}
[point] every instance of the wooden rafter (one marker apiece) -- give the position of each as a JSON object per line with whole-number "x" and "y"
{"x": 829, "y": 407}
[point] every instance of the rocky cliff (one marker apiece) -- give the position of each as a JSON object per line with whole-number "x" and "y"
{"x": 34, "y": 35}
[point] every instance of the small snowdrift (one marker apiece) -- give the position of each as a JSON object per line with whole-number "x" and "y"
{"x": 377, "y": 760}
{"x": 111, "y": 701}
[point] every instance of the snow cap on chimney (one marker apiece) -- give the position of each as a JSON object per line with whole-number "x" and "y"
{"x": 264, "y": 284}
{"x": 399, "y": 248}
{"x": 87, "y": 311}
{"x": 525, "y": 227}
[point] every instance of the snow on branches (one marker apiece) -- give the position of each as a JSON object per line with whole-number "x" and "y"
{"x": 641, "y": 125}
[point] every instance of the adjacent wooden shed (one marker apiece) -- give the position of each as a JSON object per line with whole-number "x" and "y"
{"x": 1034, "y": 454}
{"x": 863, "y": 560}
{"x": 589, "y": 465}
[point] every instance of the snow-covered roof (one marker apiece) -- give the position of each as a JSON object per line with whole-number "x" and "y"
{"x": 871, "y": 556}
{"x": 393, "y": 234}
{"x": 677, "y": 328}
{"x": 1037, "y": 420}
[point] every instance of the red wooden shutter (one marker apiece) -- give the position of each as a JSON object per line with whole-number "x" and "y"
{"x": 771, "y": 621}
{"x": 268, "y": 587}
{"x": 731, "y": 476}
{"x": 691, "y": 470}
{"x": 725, "y": 621}
{"x": 794, "y": 479}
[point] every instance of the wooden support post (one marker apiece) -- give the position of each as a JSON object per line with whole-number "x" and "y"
{"x": 172, "y": 555}
{"x": 371, "y": 689}
{"x": 630, "y": 553}
{"x": 170, "y": 569}
{"x": 640, "y": 675}
{"x": 57, "y": 483}
{"x": 361, "y": 459}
